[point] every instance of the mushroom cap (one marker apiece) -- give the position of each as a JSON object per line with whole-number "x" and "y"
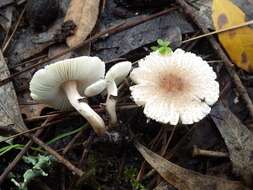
{"x": 177, "y": 87}
{"x": 114, "y": 76}
{"x": 119, "y": 72}
{"x": 46, "y": 84}
{"x": 95, "y": 88}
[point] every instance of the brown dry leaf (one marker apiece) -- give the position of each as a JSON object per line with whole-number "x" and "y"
{"x": 238, "y": 139}
{"x": 9, "y": 109}
{"x": 84, "y": 14}
{"x": 184, "y": 179}
{"x": 237, "y": 43}
{"x": 32, "y": 110}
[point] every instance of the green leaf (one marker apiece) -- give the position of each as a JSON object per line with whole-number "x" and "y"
{"x": 30, "y": 160}
{"x": 154, "y": 48}
{"x": 61, "y": 136}
{"x": 165, "y": 50}
{"x": 39, "y": 163}
{"x": 163, "y": 43}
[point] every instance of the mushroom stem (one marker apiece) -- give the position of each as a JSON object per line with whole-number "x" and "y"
{"x": 80, "y": 104}
{"x": 111, "y": 109}
{"x": 112, "y": 93}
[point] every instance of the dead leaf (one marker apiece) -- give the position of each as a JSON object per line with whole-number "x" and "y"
{"x": 4, "y": 3}
{"x": 6, "y": 18}
{"x": 9, "y": 108}
{"x": 84, "y": 14}
{"x": 238, "y": 139}
{"x": 169, "y": 27}
{"x": 182, "y": 178}
{"x": 28, "y": 44}
{"x": 32, "y": 110}
{"x": 58, "y": 49}
{"x": 237, "y": 43}
{"x": 203, "y": 8}
{"x": 163, "y": 186}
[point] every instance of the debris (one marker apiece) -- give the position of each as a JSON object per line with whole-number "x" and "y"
{"x": 9, "y": 109}
{"x": 4, "y": 3}
{"x": 32, "y": 110}
{"x": 144, "y": 3}
{"x": 182, "y": 178}
{"x": 201, "y": 152}
{"x": 28, "y": 44}
{"x": 168, "y": 27}
{"x": 204, "y": 9}
{"x": 84, "y": 14}
{"x": 42, "y": 13}
{"x": 238, "y": 138}
{"x": 237, "y": 43}
{"x": 6, "y": 18}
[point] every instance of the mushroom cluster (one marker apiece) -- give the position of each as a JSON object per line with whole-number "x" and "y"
{"x": 175, "y": 87}
{"x": 114, "y": 76}
{"x": 67, "y": 84}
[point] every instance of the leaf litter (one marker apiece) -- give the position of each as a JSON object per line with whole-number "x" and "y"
{"x": 132, "y": 44}
{"x": 238, "y": 139}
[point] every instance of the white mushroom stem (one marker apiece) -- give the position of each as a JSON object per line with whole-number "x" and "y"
{"x": 111, "y": 109}
{"x": 78, "y": 102}
{"x": 110, "y": 105}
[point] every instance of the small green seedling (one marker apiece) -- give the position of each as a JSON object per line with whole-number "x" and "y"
{"x": 163, "y": 47}
{"x": 40, "y": 163}
{"x": 130, "y": 174}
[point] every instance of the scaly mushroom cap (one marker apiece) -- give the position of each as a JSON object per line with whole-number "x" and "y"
{"x": 46, "y": 83}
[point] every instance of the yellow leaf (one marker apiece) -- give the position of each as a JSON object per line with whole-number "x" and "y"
{"x": 237, "y": 43}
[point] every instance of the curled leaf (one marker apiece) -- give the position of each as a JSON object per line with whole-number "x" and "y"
{"x": 84, "y": 14}
{"x": 182, "y": 178}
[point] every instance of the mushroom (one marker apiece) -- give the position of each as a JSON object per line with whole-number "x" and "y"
{"x": 115, "y": 75}
{"x": 58, "y": 85}
{"x": 180, "y": 86}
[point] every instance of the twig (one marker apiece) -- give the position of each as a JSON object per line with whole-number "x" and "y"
{"x": 28, "y": 61}
{"x": 227, "y": 63}
{"x": 163, "y": 152}
{"x": 71, "y": 143}
{"x": 98, "y": 109}
{"x": 88, "y": 143}
{"x": 201, "y": 152}
{"x": 29, "y": 131}
{"x": 60, "y": 159}
{"x": 171, "y": 153}
{"x": 112, "y": 30}
{"x": 220, "y": 31}
{"x": 39, "y": 118}
{"x": 12, "y": 165}
{"x": 14, "y": 30}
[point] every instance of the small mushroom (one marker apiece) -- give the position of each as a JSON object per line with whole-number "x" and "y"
{"x": 115, "y": 75}
{"x": 59, "y": 85}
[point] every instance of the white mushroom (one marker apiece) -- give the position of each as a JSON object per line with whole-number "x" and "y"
{"x": 115, "y": 75}
{"x": 58, "y": 85}
{"x": 180, "y": 86}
